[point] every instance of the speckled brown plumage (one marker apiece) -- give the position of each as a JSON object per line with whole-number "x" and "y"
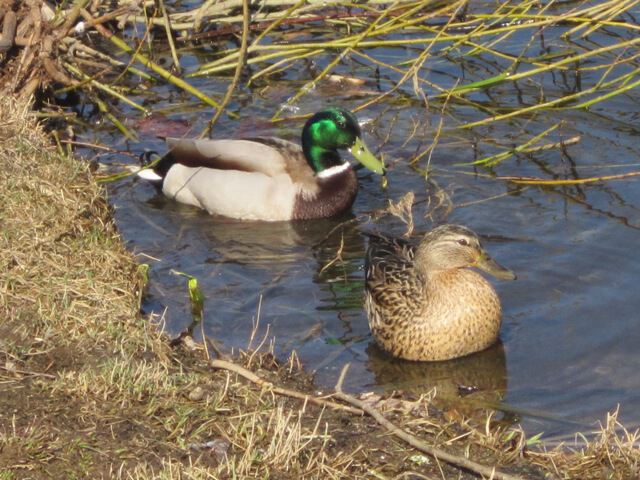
{"x": 424, "y": 303}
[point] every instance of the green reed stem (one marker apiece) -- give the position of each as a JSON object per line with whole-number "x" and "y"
{"x": 507, "y": 76}
{"x": 169, "y": 34}
{"x": 500, "y": 157}
{"x": 244, "y": 43}
{"x": 104, "y": 88}
{"x": 281, "y": 63}
{"x": 117, "y": 123}
{"x": 307, "y": 86}
{"x": 558, "y": 101}
{"x": 168, "y": 76}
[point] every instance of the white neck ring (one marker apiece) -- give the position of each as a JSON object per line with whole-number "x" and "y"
{"x": 335, "y": 170}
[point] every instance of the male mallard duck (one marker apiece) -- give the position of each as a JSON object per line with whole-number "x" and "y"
{"x": 424, "y": 303}
{"x": 268, "y": 178}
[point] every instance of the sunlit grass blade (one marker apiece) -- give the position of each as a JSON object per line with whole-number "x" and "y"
{"x": 566, "y": 181}
{"x": 497, "y": 158}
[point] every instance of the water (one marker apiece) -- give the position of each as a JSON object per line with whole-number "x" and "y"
{"x": 571, "y": 329}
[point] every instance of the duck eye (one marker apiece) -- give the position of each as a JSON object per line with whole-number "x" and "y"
{"x": 463, "y": 241}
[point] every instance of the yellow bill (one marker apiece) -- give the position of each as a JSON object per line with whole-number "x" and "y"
{"x": 361, "y": 153}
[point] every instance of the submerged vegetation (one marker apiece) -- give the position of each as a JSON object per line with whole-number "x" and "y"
{"x": 91, "y": 388}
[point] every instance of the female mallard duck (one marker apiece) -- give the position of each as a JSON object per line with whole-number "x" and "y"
{"x": 424, "y": 303}
{"x": 268, "y": 178}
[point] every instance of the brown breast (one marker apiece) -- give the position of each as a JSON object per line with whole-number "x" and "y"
{"x": 332, "y": 196}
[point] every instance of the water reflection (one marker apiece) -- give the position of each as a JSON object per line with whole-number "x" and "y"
{"x": 469, "y": 384}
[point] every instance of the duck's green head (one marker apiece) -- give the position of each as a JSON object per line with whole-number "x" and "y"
{"x": 330, "y": 130}
{"x": 453, "y": 246}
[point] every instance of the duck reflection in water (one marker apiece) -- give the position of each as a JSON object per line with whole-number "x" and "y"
{"x": 468, "y": 385}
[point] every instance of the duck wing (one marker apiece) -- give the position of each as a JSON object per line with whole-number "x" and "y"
{"x": 268, "y": 155}
{"x": 390, "y": 278}
{"x": 388, "y": 256}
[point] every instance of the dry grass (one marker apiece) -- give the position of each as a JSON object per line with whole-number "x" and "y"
{"x": 88, "y": 389}
{"x": 612, "y": 453}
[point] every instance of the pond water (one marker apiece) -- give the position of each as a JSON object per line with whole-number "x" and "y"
{"x": 571, "y": 329}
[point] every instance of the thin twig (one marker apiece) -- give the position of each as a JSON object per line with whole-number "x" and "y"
{"x": 31, "y": 373}
{"x": 252, "y": 377}
{"x": 438, "y": 454}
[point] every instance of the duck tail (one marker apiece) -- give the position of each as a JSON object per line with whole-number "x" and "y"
{"x": 154, "y": 167}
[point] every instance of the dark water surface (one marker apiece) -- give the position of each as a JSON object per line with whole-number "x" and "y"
{"x": 571, "y": 326}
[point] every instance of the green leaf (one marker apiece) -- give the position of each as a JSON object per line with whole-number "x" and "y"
{"x": 195, "y": 296}
{"x": 534, "y": 440}
{"x": 487, "y": 82}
